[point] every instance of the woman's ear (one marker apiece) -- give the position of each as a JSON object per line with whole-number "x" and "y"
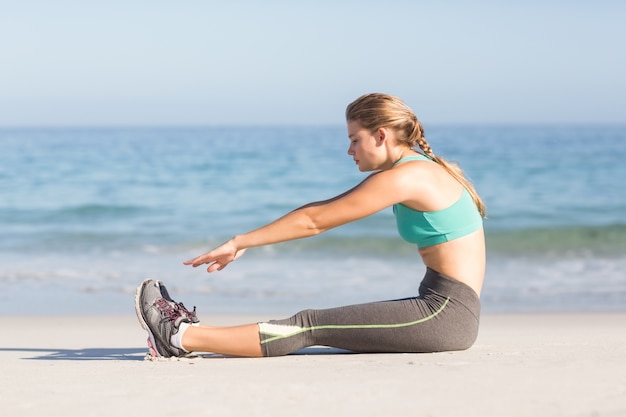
{"x": 382, "y": 135}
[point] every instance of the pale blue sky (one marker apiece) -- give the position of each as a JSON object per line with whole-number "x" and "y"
{"x": 139, "y": 62}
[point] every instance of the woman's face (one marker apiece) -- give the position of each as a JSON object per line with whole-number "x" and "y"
{"x": 364, "y": 147}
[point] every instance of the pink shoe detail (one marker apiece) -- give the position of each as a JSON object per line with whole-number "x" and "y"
{"x": 151, "y": 350}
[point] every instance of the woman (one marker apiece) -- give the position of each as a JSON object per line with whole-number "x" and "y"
{"x": 435, "y": 208}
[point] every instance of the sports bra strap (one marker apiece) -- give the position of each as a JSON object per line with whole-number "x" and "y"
{"x": 419, "y": 157}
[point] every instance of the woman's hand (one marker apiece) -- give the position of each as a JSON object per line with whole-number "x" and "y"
{"x": 218, "y": 258}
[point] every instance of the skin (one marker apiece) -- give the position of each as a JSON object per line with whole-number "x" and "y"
{"x": 421, "y": 185}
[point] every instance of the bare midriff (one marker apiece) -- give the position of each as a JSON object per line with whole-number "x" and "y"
{"x": 462, "y": 259}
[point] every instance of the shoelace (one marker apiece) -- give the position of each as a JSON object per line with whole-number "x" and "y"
{"x": 170, "y": 311}
{"x": 190, "y": 314}
{"x": 173, "y": 311}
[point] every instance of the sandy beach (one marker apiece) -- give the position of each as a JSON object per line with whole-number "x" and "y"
{"x": 521, "y": 365}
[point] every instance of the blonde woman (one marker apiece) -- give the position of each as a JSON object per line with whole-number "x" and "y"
{"x": 436, "y": 208}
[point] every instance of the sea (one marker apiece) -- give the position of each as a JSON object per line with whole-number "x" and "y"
{"x": 87, "y": 213}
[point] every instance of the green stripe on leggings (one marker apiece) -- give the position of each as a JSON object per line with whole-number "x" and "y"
{"x": 359, "y": 326}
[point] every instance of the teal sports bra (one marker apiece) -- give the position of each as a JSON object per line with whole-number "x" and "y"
{"x": 427, "y": 228}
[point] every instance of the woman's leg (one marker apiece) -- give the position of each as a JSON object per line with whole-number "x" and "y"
{"x": 444, "y": 317}
{"x": 236, "y": 340}
{"x": 407, "y": 325}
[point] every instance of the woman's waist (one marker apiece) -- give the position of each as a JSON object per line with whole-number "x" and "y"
{"x": 438, "y": 289}
{"x": 462, "y": 260}
{"x": 447, "y": 286}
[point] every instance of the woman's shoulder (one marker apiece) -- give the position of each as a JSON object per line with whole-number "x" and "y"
{"x": 418, "y": 166}
{"x": 427, "y": 185}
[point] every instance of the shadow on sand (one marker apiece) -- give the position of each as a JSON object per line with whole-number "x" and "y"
{"x": 132, "y": 354}
{"x": 87, "y": 354}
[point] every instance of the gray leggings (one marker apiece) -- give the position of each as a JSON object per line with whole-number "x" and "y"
{"x": 443, "y": 317}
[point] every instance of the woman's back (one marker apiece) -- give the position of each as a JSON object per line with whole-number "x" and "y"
{"x": 442, "y": 220}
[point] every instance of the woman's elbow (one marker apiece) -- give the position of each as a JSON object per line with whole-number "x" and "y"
{"x": 315, "y": 225}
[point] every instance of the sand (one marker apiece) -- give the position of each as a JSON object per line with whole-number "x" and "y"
{"x": 521, "y": 365}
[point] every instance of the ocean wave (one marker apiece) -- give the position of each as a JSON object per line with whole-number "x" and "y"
{"x": 265, "y": 282}
{"x": 607, "y": 240}
{"x": 72, "y": 214}
{"x": 585, "y": 241}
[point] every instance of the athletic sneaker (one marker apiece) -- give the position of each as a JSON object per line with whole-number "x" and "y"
{"x": 161, "y": 317}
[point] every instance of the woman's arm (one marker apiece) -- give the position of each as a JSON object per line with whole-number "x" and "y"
{"x": 376, "y": 192}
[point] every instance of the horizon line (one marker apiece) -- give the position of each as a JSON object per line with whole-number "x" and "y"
{"x": 296, "y": 125}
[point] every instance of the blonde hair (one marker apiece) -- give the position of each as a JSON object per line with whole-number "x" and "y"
{"x": 373, "y": 111}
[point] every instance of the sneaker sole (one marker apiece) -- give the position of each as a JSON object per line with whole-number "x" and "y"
{"x": 142, "y": 321}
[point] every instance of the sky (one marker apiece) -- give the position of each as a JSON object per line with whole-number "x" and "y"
{"x": 175, "y": 63}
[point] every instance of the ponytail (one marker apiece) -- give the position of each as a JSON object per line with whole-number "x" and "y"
{"x": 454, "y": 170}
